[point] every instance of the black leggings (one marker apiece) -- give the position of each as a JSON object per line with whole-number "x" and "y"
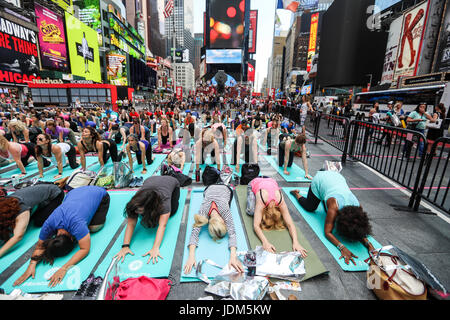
{"x": 148, "y": 155}
{"x": 281, "y": 155}
{"x": 46, "y": 209}
{"x": 99, "y": 217}
{"x": 72, "y": 157}
{"x": 234, "y": 155}
{"x": 310, "y": 203}
{"x": 30, "y": 153}
{"x": 112, "y": 148}
{"x": 174, "y": 202}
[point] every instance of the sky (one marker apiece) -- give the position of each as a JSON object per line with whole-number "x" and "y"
{"x": 265, "y": 31}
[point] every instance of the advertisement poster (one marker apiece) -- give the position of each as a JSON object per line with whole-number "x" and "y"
{"x": 253, "y": 31}
{"x": 117, "y": 68}
{"x": 251, "y": 73}
{"x": 83, "y": 50}
{"x": 65, "y": 4}
{"x": 411, "y": 37}
{"x": 52, "y": 40}
{"x": 442, "y": 57}
{"x": 312, "y": 40}
{"x": 179, "y": 91}
{"x": 226, "y": 24}
{"x": 19, "y": 61}
{"x": 391, "y": 51}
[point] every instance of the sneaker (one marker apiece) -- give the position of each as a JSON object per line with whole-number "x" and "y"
{"x": 81, "y": 292}
{"x": 94, "y": 288}
{"x": 139, "y": 182}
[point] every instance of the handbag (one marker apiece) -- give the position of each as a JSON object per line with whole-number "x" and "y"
{"x": 82, "y": 178}
{"x": 390, "y": 279}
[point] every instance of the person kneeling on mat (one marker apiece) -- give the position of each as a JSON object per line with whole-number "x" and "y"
{"x": 69, "y": 223}
{"x": 143, "y": 151}
{"x": 271, "y": 213}
{"x": 246, "y": 138}
{"x": 155, "y": 202}
{"x": 343, "y": 210}
{"x": 287, "y": 149}
{"x": 92, "y": 142}
{"x": 207, "y": 141}
{"x": 35, "y": 202}
{"x": 57, "y": 153}
{"x": 215, "y": 212}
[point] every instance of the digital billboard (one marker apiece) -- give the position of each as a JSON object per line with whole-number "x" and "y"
{"x": 226, "y": 21}
{"x": 384, "y": 4}
{"x": 442, "y": 56}
{"x": 117, "y": 68}
{"x": 89, "y": 14}
{"x": 83, "y": 49}
{"x": 224, "y": 56}
{"x": 19, "y": 62}
{"x": 312, "y": 40}
{"x": 52, "y": 39}
{"x": 65, "y": 4}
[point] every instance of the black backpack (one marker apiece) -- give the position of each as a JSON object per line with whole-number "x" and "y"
{"x": 249, "y": 172}
{"x": 210, "y": 176}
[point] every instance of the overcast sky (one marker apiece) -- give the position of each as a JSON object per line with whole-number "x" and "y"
{"x": 266, "y": 20}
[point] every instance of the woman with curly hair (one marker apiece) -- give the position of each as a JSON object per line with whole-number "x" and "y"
{"x": 343, "y": 210}
{"x": 68, "y": 225}
{"x": 16, "y": 210}
{"x": 155, "y": 202}
{"x": 271, "y": 213}
{"x": 19, "y": 131}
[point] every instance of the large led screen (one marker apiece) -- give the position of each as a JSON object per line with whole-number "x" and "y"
{"x": 226, "y": 21}
{"x": 223, "y": 56}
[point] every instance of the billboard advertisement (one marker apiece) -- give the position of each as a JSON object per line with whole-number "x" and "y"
{"x": 226, "y": 24}
{"x": 251, "y": 73}
{"x": 223, "y": 56}
{"x": 442, "y": 57}
{"x": 19, "y": 61}
{"x": 385, "y": 4}
{"x": 117, "y": 68}
{"x": 89, "y": 14}
{"x": 52, "y": 39}
{"x": 65, "y": 4}
{"x": 312, "y": 40}
{"x": 253, "y": 31}
{"x": 410, "y": 43}
{"x": 179, "y": 92}
{"x": 391, "y": 51}
{"x": 83, "y": 49}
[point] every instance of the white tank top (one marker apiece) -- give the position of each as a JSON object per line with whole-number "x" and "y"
{"x": 64, "y": 149}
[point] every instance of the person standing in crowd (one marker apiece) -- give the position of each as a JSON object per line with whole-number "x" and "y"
{"x": 417, "y": 121}
{"x": 437, "y": 131}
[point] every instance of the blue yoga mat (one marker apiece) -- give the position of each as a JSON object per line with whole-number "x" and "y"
{"x": 142, "y": 242}
{"x": 207, "y": 248}
{"x": 228, "y": 157}
{"x": 76, "y": 274}
{"x": 316, "y": 221}
{"x": 67, "y": 171}
{"x": 297, "y": 174}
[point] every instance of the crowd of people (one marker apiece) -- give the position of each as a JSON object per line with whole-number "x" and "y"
{"x": 187, "y": 131}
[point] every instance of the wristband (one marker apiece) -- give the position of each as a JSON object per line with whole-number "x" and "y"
{"x": 125, "y": 246}
{"x": 340, "y": 246}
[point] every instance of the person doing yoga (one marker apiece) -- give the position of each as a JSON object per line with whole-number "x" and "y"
{"x": 343, "y": 210}
{"x": 286, "y": 150}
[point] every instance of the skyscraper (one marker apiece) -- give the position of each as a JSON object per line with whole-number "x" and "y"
{"x": 198, "y": 44}
{"x": 182, "y": 22}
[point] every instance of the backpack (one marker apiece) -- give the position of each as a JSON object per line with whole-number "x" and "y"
{"x": 80, "y": 179}
{"x": 249, "y": 172}
{"x": 184, "y": 180}
{"x": 210, "y": 176}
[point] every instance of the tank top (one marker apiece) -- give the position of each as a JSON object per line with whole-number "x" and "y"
{"x": 268, "y": 184}
{"x": 64, "y": 149}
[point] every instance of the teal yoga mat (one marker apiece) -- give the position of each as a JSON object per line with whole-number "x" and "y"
{"x": 30, "y": 169}
{"x": 228, "y": 157}
{"x": 29, "y": 239}
{"x": 297, "y": 174}
{"x": 207, "y": 248}
{"x": 67, "y": 171}
{"x": 316, "y": 221}
{"x": 142, "y": 241}
{"x": 78, "y": 273}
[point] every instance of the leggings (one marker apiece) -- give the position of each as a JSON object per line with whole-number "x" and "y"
{"x": 72, "y": 157}
{"x": 174, "y": 202}
{"x": 247, "y": 152}
{"x": 310, "y": 203}
{"x": 281, "y": 156}
{"x": 99, "y": 217}
{"x": 112, "y": 147}
{"x": 46, "y": 209}
{"x": 148, "y": 156}
{"x": 30, "y": 153}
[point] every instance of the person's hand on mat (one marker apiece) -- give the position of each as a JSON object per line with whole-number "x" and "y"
{"x": 30, "y": 272}
{"x": 154, "y": 254}
{"x": 22, "y": 175}
{"x": 41, "y": 176}
{"x": 189, "y": 264}
{"x": 144, "y": 171}
{"x": 298, "y": 248}
{"x": 236, "y": 264}
{"x": 57, "y": 277}
{"x": 348, "y": 256}
{"x": 269, "y": 247}
{"x": 123, "y": 252}
{"x": 307, "y": 176}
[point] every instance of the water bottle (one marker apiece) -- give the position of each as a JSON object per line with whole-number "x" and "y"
{"x": 197, "y": 175}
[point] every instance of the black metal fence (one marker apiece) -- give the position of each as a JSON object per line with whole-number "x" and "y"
{"x": 397, "y": 153}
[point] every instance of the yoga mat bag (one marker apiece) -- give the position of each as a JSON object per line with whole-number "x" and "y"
{"x": 142, "y": 288}
{"x": 210, "y": 176}
{"x": 389, "y": 278}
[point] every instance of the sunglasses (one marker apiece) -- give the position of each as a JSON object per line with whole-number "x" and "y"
{"x": 41, "y": 139}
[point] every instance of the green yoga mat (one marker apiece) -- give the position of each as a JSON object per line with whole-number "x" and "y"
{"x": 76, "y": 274}
{"x": 296, "y": 174}
{"x": 281, "y": 240}
{"x": 29, "y": 239}
{"x": 142, "y": 241}
{"x": 207, "y": 248}
{"x": 316, "y": 221}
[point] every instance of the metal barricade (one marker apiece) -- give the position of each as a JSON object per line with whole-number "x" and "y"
{"x": 436, "y": 177}
{"x": 333, "y": 130}
{"x": 397, "y": 153}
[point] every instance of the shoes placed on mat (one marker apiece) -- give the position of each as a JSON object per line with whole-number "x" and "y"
{"x": 94, "y": 288}
{"x": 139, "y": 182}
{"x": 81, "y": 292}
